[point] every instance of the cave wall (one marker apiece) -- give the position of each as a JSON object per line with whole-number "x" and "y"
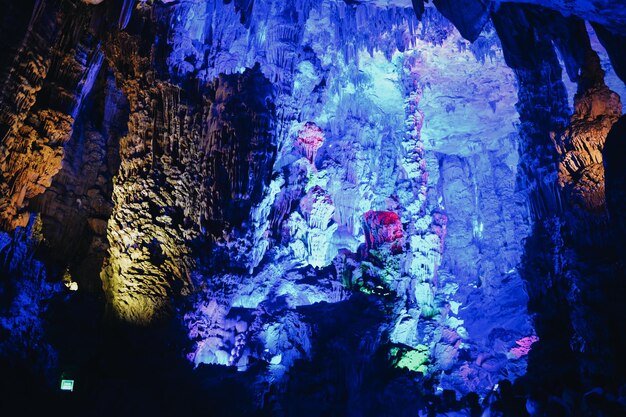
{"x": 567, "y": 262}
{"x": 257, "y": 169}
{"x": 192, "y": 167}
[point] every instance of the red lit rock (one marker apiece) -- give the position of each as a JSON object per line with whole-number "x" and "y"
{"x": 310, "y": 139}
{"x": 383, "y": 227}
{"x": 524, "y": 345}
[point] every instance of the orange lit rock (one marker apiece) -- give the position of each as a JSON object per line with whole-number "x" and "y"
{"x": 37, "y": 105}
{"x": 581, "y": 173}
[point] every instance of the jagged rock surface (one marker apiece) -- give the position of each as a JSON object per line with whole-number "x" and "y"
{"x": 40, "y": 99}
{"x": 325, "y": 194}
{"x": 561, "y": 157}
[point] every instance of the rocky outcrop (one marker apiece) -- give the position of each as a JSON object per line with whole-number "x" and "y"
{"x": 40, "y": 100}
{"x": 148, "y": 256}
{"x": 75, "y": 209}
{"x": 470, "y": 20}
{"x": 615, "y": 182}
{"x": 45, "y": 82}
{"x": 614, "y": 43}
{"x": 581, "y": 173}
{"x": 543, "y": 109}
{"x": 23, "y": 318}
{"x": 560, "y": 157}
{"x": 192, "y": 167}
{"x": 383, "y": 227}
{"x": 317, "y": 208}
{"x": 324, "y": 194}
{"x": 310, "y": 139}
{"x": 611, "y": 15}
{"x": 239, "y": 149}
{"x": 475, "y": 13}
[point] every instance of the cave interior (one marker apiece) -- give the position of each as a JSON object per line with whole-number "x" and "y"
{"x": 294, "y": 208}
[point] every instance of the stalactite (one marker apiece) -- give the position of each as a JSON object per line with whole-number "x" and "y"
{"x": 44, "y": 106}
{"x": 560, "y": 171}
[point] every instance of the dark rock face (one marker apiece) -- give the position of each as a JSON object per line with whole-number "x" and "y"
{"x": 611, "y": 16}
{"x": 614, "y": 43}
{"x": 470, "y": 19}
{"x": 613, "y": 156}
{"x": 76, "y": 208}
{"x": 313, "y": 208}
{"x": 239, "y": 169}
{"x": 563, "y": 265}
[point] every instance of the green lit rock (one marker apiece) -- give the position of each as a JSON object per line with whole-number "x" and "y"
{"x": 416, "y": 360}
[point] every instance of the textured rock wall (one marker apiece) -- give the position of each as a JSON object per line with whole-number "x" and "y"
{"x": 560, "y": 157}
{"x": 475, "y": 14}
{"x": 192, "y": 167}
{"x": 388, "y": 146}
{"x": 581, "y": 173}
{"x": 330, "y": 181}
{"x": 26, "y": 292}
{"x": 52, "y": 72}
{"x": 76, "y": 208}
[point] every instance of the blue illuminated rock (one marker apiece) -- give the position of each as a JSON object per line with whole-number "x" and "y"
{"x": 294, "y": 208}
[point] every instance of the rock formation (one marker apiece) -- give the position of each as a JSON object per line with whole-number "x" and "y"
{"x": 365, "y": 207}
